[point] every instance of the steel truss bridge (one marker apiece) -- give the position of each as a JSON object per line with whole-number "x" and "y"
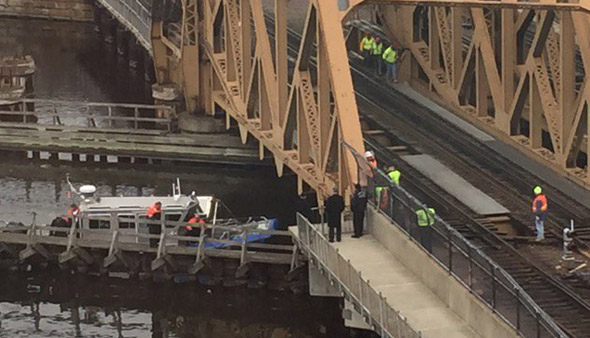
{"x": 517, "y": 68}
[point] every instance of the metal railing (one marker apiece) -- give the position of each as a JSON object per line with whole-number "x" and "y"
{"x": 91, "y": 114}
{"x": 366, "y": 299}
{"x": 462, "y": 259}
{"x": 134, "y": 240}
{"x": 135, "y": 16}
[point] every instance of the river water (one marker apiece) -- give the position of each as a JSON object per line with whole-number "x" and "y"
{"x": 75, "y": 64}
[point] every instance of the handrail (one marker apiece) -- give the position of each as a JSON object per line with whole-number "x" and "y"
{"x": 93, "y": 111}
{"x": 45, "y": 232}
{"x": 406, "y": 204}
{"x": 134, "y": 15}
{"x": 387, "y": 321}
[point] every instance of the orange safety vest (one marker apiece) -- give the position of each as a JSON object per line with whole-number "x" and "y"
{"x": 153, "y": 210}
{"x": 73, "y": 212}
{"x": 194, "y": 220}
{"x": 373, "y": 163}
{"x": 543, "y": 201}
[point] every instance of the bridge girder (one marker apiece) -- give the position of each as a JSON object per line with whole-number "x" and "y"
{"x": 513, "y": 72}
{"x": 517, "y": 69}
{"x": 300, "y": 113}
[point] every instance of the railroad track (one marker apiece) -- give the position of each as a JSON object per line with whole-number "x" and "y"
{"x": 414, "y": 131}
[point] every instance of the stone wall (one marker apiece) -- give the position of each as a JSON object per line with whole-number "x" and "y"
{"x": 77, "y": 10}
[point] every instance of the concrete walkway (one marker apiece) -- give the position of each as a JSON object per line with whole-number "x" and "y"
{"x": 402, "y": 289}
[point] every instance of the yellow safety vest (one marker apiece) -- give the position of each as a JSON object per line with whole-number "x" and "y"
{"x": 390, "y": 55}
{"x": 395, "y": 176}
{"x": 367, "y": 43}
{"x": 425, "y": 218}
{"x": 377, "y": 48}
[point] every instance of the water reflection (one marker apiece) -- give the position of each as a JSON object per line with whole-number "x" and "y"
{"x": 72, "y": 62}
{"x": 59, "y": 305}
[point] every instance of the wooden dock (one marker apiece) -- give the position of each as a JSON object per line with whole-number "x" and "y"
{"x": 110, "y": 251}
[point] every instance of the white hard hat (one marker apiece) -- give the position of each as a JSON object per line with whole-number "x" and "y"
{"x": 369, "y": 154}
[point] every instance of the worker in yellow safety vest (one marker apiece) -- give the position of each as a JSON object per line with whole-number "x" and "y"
{"x": 394, "y": 175}
{"x": 367, "y": 47}
{"x": 382, "y": 197}
{"x": 390, "y": 56}
{"x": 377, "y": 53}
{"x": 425, "y": 220}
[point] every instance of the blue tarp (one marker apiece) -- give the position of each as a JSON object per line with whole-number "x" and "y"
{"x": 273, "y": 224}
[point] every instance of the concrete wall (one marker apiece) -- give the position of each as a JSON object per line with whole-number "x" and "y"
{"x": 475, "y": 313}
{"x": 77, "y": 10}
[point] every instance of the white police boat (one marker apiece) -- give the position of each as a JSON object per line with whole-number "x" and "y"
{"x": 99, "y": 216}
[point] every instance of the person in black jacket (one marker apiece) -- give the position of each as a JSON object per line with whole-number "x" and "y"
{"x": 334, "y": 208}
{"x": 358, "y": 205}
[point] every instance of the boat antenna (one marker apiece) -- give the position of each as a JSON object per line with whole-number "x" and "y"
{"x": 178, "y": 185}
{"x": 72, "y": 188}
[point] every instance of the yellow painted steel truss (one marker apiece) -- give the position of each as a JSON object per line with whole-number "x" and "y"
{"x": 300, "y": 114}
{"x": 517, "y": 67}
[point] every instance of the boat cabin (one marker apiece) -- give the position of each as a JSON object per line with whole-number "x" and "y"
{"x": 100, "y": 216}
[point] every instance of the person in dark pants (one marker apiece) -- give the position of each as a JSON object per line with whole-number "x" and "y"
{"x": 154, "y": 213}
{"x": 366, "y": 48}
{"x": 358, "y": 205}
{"x": 334, "y": 208}
{"x": 425, "y": 220}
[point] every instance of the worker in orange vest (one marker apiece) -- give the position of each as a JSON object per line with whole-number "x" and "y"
{"x": 71, "y": 214}
{"x": 370, "y": 157}
{"x": 154, "y": 213}
{"x": 540, "y": 211}
{"x": 192, "y": 229}
{"x": 194, "y": 224}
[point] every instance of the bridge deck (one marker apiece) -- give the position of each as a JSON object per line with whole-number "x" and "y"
{"x": 402, "y": 289}
{"x": 218, "y": 148}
